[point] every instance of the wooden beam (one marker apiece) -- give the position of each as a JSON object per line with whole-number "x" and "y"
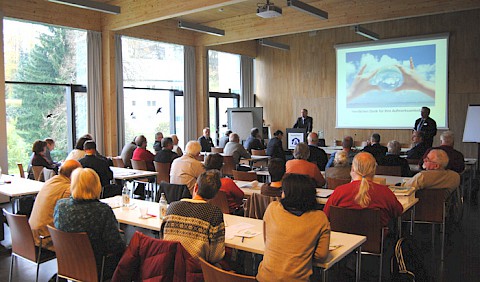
{"x": 135, "y": 13}
{"x": 51, "y": 13}
{"x": 341, "y": 13}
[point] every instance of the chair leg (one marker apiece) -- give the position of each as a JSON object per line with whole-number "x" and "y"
{"x": 103, "y": 266}
{"x": 12, "y": 257}
{"x": 443, "y": 241}
{"x": 381, "y": 265}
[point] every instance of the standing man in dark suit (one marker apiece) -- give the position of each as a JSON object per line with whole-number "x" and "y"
{"x": 373, "y": 147}
{"x": 205, "y": 141}
{"x": 304, "y": 121}
{"x": 427, "y": 125}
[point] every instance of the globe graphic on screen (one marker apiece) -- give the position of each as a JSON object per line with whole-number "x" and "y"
{"x": 388, "y": 78}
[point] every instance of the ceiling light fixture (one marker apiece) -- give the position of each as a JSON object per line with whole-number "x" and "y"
{"x": 90, "y": 5}
{"x": 273, "y": 44}
{"x": 366, "y": 33}
{"x": 304, "y": 7}
{"x": 201, "y": 28}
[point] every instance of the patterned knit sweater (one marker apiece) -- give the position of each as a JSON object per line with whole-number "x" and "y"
{"x": 198, "y": 226}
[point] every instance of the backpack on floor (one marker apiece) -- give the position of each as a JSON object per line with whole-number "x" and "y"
{"x": 407, "y": 263}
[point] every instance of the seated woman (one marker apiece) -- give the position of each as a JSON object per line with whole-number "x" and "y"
{"x": 341, "y": 168}
{"x": 78, "y": 152}
{"x": 83, "y": 212}
{"x": 301, "y": 165}
{"x": 392, "y": 158}
{"x": 295, "y": 233}
{"x": 233, "y": 193}
{"x": 39, "y": 149}
{"x": 363, "y": 193}
{"x": 276, "y": 169}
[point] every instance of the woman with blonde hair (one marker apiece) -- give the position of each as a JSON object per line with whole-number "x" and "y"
{"x": 83, "y": 212}
{"x": 363, "y": 193}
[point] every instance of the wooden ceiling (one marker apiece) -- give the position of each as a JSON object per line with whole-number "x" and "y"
{"x": 238, "y": 17}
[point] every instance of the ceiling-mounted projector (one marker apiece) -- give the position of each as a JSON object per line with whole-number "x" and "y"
{"x": 268, "y": 10}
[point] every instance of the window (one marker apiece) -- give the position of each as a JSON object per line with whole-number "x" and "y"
{"x": 153, "y": 80}
{"x": 45, "y": 67}
{"x": 224, "y": 88}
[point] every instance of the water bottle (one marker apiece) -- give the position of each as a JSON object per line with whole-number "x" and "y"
{"x": 163, "y": 206}
{"x": 125, "y": 196}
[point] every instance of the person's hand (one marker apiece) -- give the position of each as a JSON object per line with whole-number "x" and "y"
{"x": 361, "y": 84}
{"x": 413, "y": 81}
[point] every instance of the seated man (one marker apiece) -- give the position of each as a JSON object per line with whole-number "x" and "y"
{"x": 224, "y": 139}
{"x": 317, "y": 155}
{"x": 253, "y": 141}
{"x": 187, "y": 168}
{"x": 435, "y": 174}
{"x": 157, "y": 145}
{"x": 166, "y": 155}
{"x": 142, "y": 154}
{"x": 373, "y": 147}
{"x": 419, "y": 146}
{"x": 347, "y": 144}
{"x": 456, "y": 159}
{"x": 205, "y": 141}
{"x": 55, "y": 188}
{"x": 127, "y": 153}
{"x": 235, "y": 149}
{"x": 392, "y": 158}
{"x": 101, "y": 167}
{"x": 195, "y": 223}
{"x": 275, "y": 146}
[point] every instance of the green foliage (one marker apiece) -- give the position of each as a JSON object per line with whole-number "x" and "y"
{"x": 17, "y": 150}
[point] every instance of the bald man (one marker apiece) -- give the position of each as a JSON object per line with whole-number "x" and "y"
{"x": 54, "y": 189}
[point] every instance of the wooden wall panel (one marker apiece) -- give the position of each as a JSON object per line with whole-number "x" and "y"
{"x": 305, "y": 76}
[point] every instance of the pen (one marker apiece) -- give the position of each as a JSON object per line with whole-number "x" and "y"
{"x": 243, "y": 238}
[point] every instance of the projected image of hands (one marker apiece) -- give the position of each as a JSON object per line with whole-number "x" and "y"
{"x": 387, "y": 78}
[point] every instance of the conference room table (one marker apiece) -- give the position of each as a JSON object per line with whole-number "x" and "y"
{"x": 341, "y": 244}
{"x": 128, "y": 174}
{"x": 16, "y": 187}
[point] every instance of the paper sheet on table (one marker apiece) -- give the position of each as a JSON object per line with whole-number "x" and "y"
{"x": 324, "y": 193}
{"x": 247, "y": 233}
{"x": 231, "y": 231}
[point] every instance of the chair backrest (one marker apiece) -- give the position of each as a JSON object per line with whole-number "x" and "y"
{"x": 173, "y": 192}
{"x": 75, "y": 258}
{"x": 389, "y": 170}
{"x": 228, "y": 165}
{"x": 244, "y": 175}
{"x": 257, "y": 205}
{"x": 140, "y": 165}
{"x": 430, "y": 206}
{"x": 48, "y": 173}
{"x": 163, "y": 170}
{"x": 118, "y": 162}
{"x": 22, "y": 238}
{"x": 364, "y": 222}
{"x": 37, "y": 172}
{"x": 20, "y": 169}
{"x": 259, "y": 152}
{"x": 413, "y": 161}
{"x": 220, "y": 200}
{"x": 212, "y": 273}
{"x": 333, "y": 183}
{"x": 217, "y": 150}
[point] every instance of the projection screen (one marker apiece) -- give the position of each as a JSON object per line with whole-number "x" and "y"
{"x": 383, "y": 84}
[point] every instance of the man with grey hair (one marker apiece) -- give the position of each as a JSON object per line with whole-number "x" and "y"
{"x": 456, "y": 158}
{"x": 435, "y": 174}
{"x": 373, "y": 147}
{"x": 301, "y": 165}
{"x": 347, "y": 145}
{"x": 392, "y": 158}
{"x": 235, "y": 149}
{"x": 186, "y": 169}
{"x": 317, "y": 155}
{"x": 206, "y": 141}
{"x": 157, "y": 145}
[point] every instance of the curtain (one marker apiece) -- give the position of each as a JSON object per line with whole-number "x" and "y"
{"x": 189, "y": 94}
{"x": 246, "y": 82}
{"x": 94, "y": 87}
{"x": 119, "y": 90}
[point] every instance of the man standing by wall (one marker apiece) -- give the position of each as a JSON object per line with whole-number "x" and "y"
{"x": 427, "y": 125}
{"x": 304, "y": 121}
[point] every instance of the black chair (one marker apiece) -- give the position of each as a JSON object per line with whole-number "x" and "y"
{"x": 173, "y": 192}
